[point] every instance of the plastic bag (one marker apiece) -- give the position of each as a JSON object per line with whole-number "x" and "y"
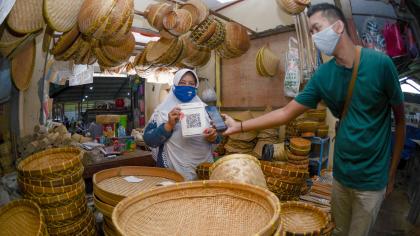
{"x": 208, "y": 94}
{"x": 394, "y": 42}
{"x": 82, "y": 74}
{"x": 292, "y": 74}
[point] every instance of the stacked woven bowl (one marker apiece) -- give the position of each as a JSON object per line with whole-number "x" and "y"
{"x": 22, "y": 217}
{"x": 113, "y": 185}
{"x": 298, "y": 152}
{"x": 53, "y": 179}
{"x": 267, "y": 62}
{"x": 284, "y": 180}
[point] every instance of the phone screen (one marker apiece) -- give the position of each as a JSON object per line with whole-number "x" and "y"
{"x": 217, "y": 119}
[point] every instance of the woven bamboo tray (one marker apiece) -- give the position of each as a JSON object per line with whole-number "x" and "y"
{"x": 67, "y": 179}
{"x": 22, "y": 217}
{"x": 103, "y": 207}
{"x": 300, "y": 146}
{"x": 199, "y": 208}
{"x": 50, "y": 162}
{"x": 84, "y": 222}
{"x": 297, "y": 218}
{"x": 76, "y": 203}
{"x": 282, "y": 170}
{"x": 51, "y": 199}
{"x": 111, "y": 187}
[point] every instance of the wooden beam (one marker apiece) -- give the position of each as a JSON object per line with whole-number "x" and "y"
{"x": 228, "y": 5}
{"x": 275, "y": 31}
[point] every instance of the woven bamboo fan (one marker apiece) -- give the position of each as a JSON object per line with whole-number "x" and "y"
{"x": 61, "y": 15}
{"x": 199, "y": 8}
{"x": 23, "y": 66}
{"x": 199, "y": 208}
{"x": 178, "y": 21}
{"x": 22, "y": 217}
{"x": 49, "y": 162}
{"x": 155, "y": 14}
{"x": 293, "y": 7}
{"x": 93, "y": 14}
{"x": 238, "y": 167}
{"x": 298, "y": 218}
{"x": 9, "y": 41}
{"x": 26, "y": 16}
{"x": 65, "y": 41}
{"x": 111, "y": 187}
{"x": 71, "y": 51}
{"x": 122, "y": 52}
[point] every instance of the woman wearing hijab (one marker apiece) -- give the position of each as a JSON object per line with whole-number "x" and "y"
{"x": 163, "y": 132}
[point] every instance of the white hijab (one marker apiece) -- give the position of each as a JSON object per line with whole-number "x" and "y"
{"x": 183, "y": 154}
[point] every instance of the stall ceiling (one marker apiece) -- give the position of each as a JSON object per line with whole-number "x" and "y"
{"x": 256, "y": 15}
{"x": 103, "y": 88}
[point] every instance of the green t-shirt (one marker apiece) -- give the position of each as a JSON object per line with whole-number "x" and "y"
{"x": 362, "y": 148}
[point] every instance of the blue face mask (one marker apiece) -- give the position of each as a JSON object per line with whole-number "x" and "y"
{"x": 184, "y": 93}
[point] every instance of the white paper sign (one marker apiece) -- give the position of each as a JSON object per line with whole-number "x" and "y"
{"x": 133, "y": 179}
{"x": 194, "y": 120}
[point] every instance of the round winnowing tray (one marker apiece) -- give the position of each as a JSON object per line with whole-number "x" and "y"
{"x": 23, "y": 66}
{"x": 26, "y": 16}
{"x": 61, "y": 15}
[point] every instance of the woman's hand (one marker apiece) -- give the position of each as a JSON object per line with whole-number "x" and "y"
{"x": 233, "y": 126}
{"x": 210, "y": 134}
{"x": 173, "y": 118}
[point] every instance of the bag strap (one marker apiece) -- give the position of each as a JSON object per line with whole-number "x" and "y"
{"x": 352, "y": 82}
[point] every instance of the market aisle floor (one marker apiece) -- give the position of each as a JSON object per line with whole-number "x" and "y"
{"x": 392, "y": 218}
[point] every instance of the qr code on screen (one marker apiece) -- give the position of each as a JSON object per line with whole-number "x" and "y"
{"x": 193, "y": 120}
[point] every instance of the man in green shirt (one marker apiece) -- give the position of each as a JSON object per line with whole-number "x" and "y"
{"x": 363, "y": 171}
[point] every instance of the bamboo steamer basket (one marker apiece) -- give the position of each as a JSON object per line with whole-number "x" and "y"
{"x": 201, "y": 9}
{"x": 122, "y": 52}
{"x": 240, "y": 168}
{"x": 22, "y": 66}
{"x": 93, "y": 14}
{"x": 22, "y": 217}
{"x": 119, "y": 17}
{"x": 80, "y": 226}
{"x": 203, "y": 170}
{"x": 293, "y": 7}
{"x": 110, "y": 186}
{"x": 199, "y": 208}
{"x": 283, "y": 171}
{"x": 155, "y": 14}
{"x": 178, "y": 21}
{"x": 293, "y": 157}
{"x": 300, "y": 146}
{"x": 297, "y": 218}
{"x": 61, "y": 15}
{"x": 65, "y": 41}
{"x": 68, "y": 179}
{"x": 26, "y": 16}
{"x": 50, "y": 162}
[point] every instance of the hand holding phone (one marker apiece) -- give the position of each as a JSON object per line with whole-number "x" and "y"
{"x": 216, "y": 118}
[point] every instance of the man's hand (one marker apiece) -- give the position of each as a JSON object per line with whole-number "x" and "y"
{"x": 173, "y": 118}
{"x": 210, "y": 135}
{"x": 233, "y": 126}
{"x": 390, "y": 186}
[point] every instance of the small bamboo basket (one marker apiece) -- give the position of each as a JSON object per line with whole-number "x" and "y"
{"x": 199, "y": 208}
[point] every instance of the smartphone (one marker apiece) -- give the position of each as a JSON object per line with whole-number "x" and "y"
{"x": 217, "y": 119}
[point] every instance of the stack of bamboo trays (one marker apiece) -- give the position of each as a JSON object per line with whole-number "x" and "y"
{"x": 53, "y": 179}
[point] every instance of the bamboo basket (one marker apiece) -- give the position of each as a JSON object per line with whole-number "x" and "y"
{"x": 93, "y": 15}
{"x": 293, "y": 7}
{"x": 199, "y": 208}
{"x": 178, "y": 21}
{"x": 204, "y": 31}
{"x": 236, "y": 41}
{"x": 283, "y": 171}
{"x": 300, "y": 146}
{"x": 292, "y": 157}
{"x": 281, "y": 186}
{"x": 242, "y": 168}
{"x": 68, "y": 179}
{"x": 203, "y": 171}
{"x": 155, "y": 14}
{"x": 118, "y": 18}
{"x": 297, "y": 218}
{"x": 122, "y": 52}
{"x": 110, "y": 186}
{"x": 50, "y": 162}
{"x": 22, "y": 217}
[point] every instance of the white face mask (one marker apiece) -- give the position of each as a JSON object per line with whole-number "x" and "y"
{"x": 326, "y": 40}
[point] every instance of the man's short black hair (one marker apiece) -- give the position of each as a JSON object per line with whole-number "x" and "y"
{"x": 328, "y": 11}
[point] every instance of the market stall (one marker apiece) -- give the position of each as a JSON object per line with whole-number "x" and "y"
{"x": 110, "y": 115}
